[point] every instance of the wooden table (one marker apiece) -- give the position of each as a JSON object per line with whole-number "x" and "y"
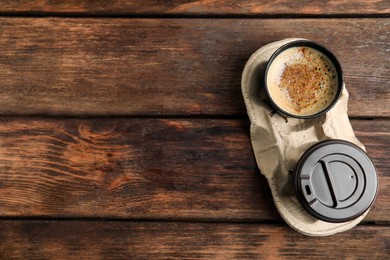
{"x": 123, "y": 132}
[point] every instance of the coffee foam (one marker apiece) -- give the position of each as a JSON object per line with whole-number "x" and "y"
{"x": 302, "y": 81}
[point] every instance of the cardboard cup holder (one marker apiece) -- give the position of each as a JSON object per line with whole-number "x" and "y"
{"x": 321, "y": 179}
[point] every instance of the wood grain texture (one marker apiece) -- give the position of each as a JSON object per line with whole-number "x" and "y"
{"x": 199, "y": 7}
{"x": 73, "y": 66}
{"x": 140, "y": 240}
{"x": 197, "y": 170}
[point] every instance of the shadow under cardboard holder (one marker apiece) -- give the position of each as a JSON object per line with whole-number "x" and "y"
{"x": 278, "y": 145}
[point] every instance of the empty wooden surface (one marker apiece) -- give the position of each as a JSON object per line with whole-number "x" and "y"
{"x": 124, "y": 137}
{"x": 58, "y": 66}
{"x": 149, "y": 169}
{"x": 165, "y": 240}
{"x": 197, "y": 7}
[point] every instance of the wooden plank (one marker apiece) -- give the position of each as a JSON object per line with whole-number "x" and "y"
{"x": 198, "y": 7}
{"x": 377, "y": 144}
{"x": 189, "y": 169}
{"x": 55, "y": 66}
{"x": 140, "y": 240}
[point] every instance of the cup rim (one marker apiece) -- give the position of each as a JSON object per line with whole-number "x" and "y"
{"x": 323, "y": 50}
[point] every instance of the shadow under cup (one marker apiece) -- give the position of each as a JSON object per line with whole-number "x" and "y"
{"x": 303, "y": 79}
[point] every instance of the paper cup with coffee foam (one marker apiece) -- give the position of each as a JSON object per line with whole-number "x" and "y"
{"x": 303, "y": 79}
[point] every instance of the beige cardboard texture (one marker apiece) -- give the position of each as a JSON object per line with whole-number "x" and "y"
{"x": 278, "y": 144}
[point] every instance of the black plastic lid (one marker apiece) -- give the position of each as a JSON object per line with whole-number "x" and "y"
{"x": 335, "y": 181}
